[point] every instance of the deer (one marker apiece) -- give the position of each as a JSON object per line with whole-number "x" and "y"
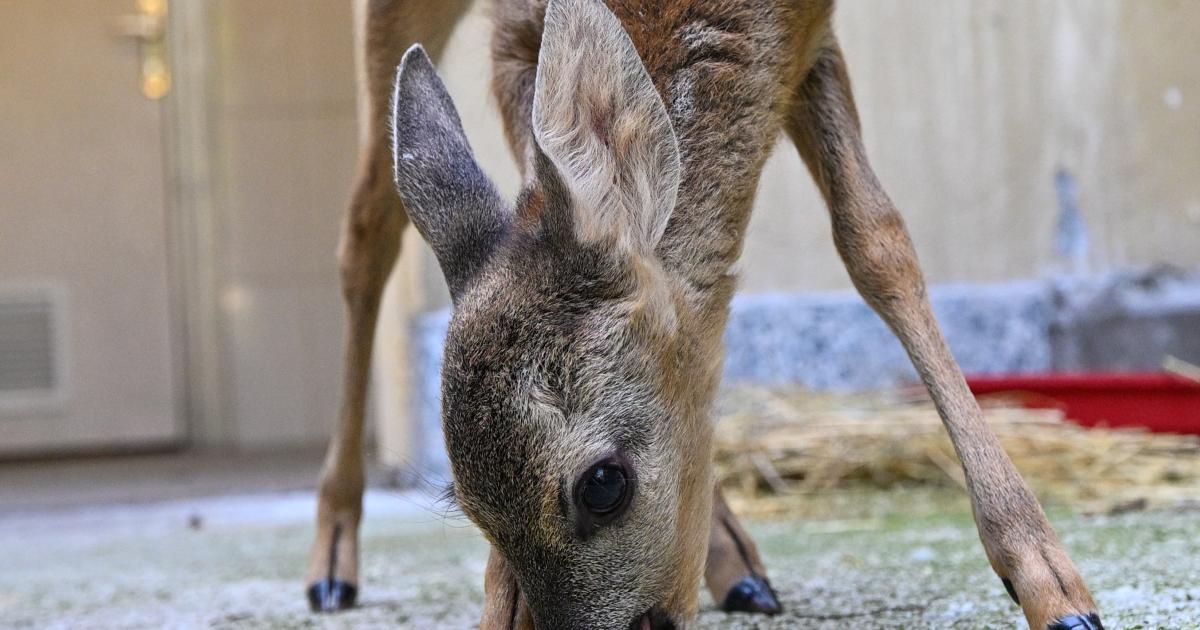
{"x": 584, "y": 348}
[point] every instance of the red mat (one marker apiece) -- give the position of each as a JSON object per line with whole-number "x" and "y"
{"x": 1160, "y": 402}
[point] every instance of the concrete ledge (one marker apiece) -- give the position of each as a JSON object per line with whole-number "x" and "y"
{"x": 1126, "y": 322}
{"x": 836, "y": 342}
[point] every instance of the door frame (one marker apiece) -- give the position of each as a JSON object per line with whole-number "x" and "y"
{"x": 192, "y": 219}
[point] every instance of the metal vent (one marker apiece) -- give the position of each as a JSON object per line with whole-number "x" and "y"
{"x": 30, "y": 352}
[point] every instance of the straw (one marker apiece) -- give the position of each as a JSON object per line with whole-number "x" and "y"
{"x": 781, "y": 442}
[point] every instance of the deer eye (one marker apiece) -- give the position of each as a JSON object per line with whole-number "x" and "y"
{"x": 602, "y": 493}
{"x": 603, "y": 489}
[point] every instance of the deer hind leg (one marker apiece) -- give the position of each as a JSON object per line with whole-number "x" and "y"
{"x": 734, "y": 572}
{"x": 872, "y": 241}
{"x": 370, "y": 243}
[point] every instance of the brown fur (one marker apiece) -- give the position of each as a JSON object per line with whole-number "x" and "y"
{"x": 732, "y": 75}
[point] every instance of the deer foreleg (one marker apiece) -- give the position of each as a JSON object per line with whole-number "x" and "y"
{"x": 874, "y": 245}
{"x": 370, "y": 243}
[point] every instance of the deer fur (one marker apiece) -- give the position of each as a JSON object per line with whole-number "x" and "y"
{"x": 588, "y": 314}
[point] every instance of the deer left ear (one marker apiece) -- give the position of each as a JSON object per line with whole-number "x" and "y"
{"x": 599, "y": 119}
{"x": 450, "y": 200}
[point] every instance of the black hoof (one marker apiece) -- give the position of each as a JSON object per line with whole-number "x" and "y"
{"x": 1076, "y": 622}
{"x": 331, "y": 595}
{"x": 753, "y": 594}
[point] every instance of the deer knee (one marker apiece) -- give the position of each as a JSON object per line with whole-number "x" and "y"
{"x": 365, "y": 259}
{"x": 879, "y": 255}
{"x": 370, "y": 239}
{"x": 366, "y": 256}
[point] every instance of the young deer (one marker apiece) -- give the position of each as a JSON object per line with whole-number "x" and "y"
{"x": 585, "y": 344}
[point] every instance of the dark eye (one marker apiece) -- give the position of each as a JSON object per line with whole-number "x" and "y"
{"x": 602, "y": 493}
{"x": 603, "y": 489}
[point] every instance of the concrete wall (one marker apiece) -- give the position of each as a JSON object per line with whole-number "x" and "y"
{"x": 970, "y": 109}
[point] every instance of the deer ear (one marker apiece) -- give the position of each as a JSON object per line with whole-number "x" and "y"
{"x": 599, "y": 119}
{"x": 449, "y": 199}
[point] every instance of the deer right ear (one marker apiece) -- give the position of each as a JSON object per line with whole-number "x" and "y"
{"x": 449, "y": 199}
{"x": 601, "y": 122}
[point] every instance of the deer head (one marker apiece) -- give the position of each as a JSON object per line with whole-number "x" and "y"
{"x": 575, "y": 392}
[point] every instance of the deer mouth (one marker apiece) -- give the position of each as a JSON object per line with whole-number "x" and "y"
{"x": 653, "y": 619}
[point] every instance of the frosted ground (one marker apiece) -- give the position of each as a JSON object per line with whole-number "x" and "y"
{"x": 234, "y": 562}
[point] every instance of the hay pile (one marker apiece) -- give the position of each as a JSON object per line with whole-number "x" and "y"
{"x": 774, "y": 445}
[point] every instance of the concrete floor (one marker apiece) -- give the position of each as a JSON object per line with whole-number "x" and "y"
{"x": 234, "y": 561}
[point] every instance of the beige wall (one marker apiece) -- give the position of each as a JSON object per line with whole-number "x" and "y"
{"x": 969, "y": 107}
{"x": 283, "y": 111}
{"x": 968, "y": 110}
